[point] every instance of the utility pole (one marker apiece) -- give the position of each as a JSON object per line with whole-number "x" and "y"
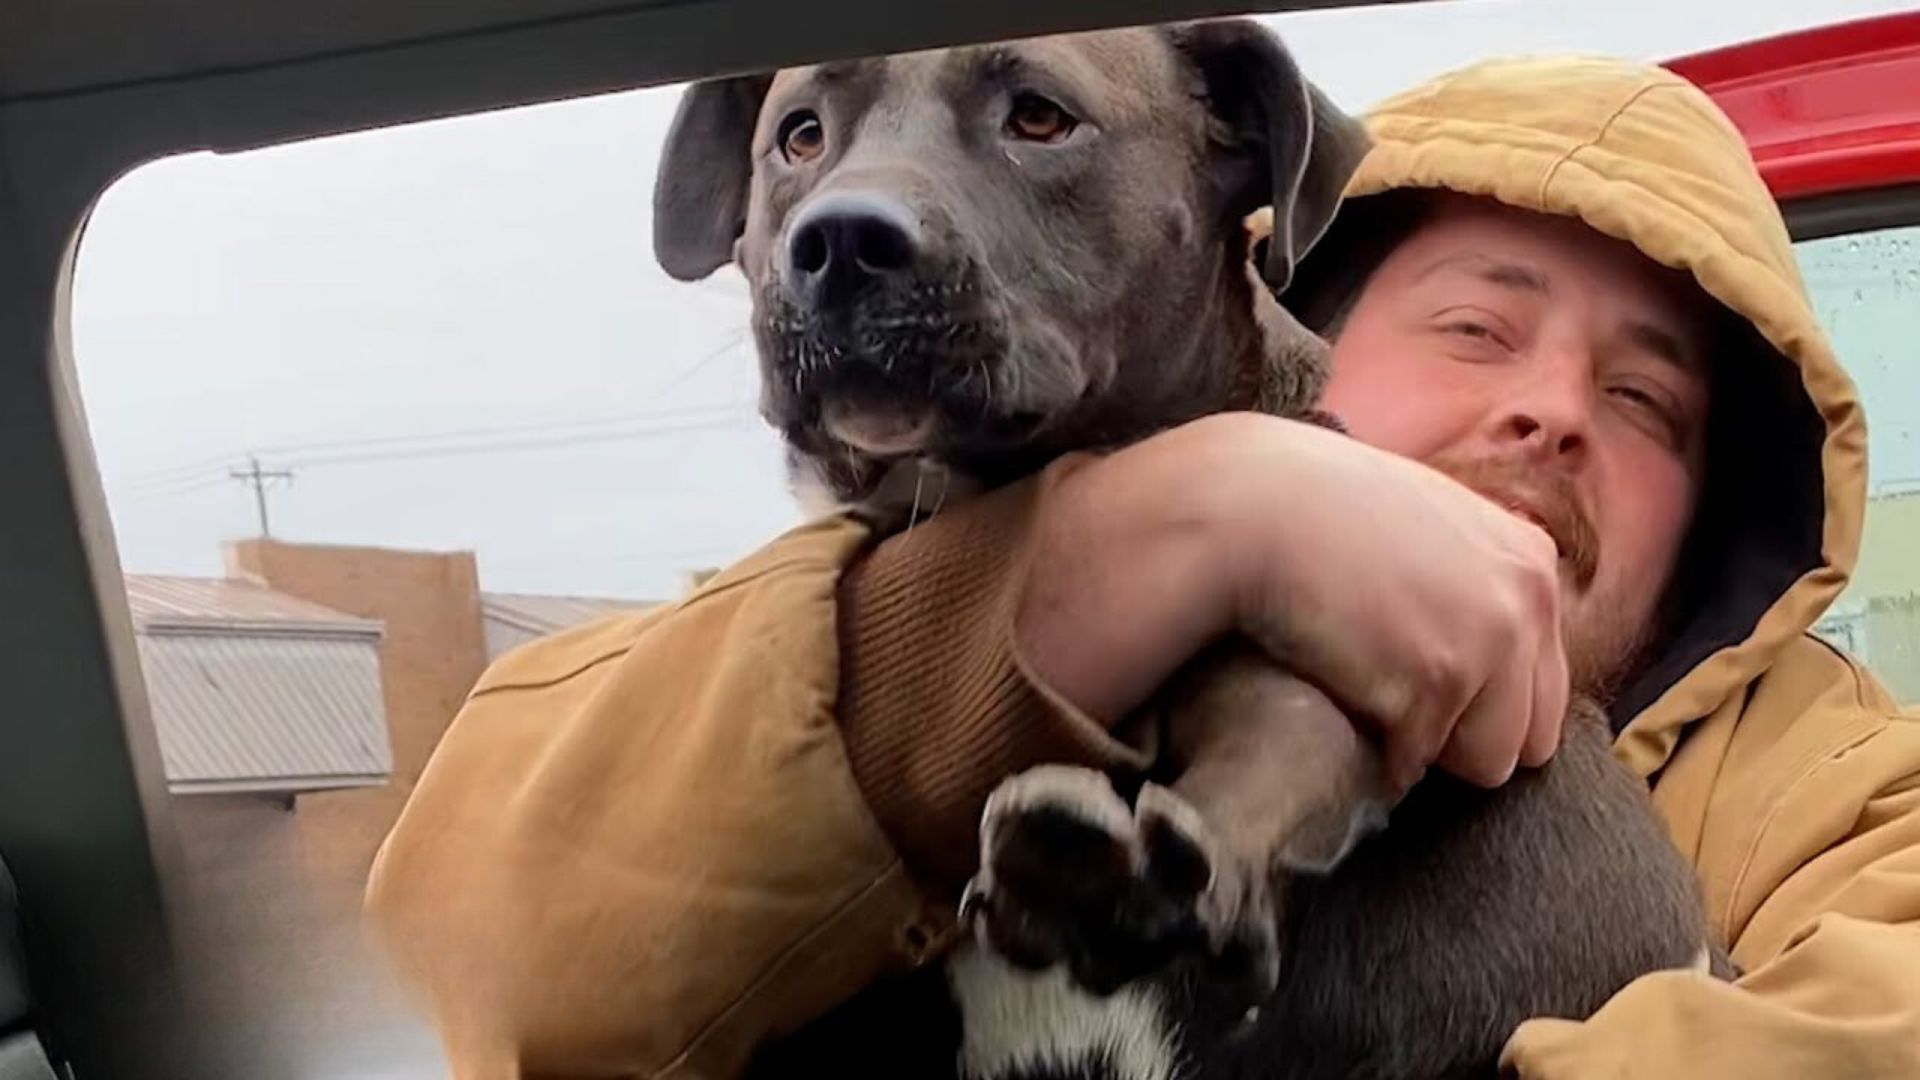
{"x": 257, "y": 478}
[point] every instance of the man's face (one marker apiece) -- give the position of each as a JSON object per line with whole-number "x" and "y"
{"x": 1556, "y": 371}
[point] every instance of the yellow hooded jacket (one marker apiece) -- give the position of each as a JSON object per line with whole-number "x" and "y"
{"x": 647, "y": 845}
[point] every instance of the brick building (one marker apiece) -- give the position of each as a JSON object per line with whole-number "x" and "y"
{"x": 296, "y": 701}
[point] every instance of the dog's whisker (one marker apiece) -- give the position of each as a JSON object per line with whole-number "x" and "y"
{"x": 919, "y": 485}
{"x": 946, "y": 485}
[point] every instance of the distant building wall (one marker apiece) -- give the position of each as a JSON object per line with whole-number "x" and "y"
{"x": 1890, "y": 549}
{"x": 1893, "y": 645}
{"x": 297, "y": 982}
{"x": 278, "y": 885}
{"x": 1877, "y": 619}
{"x": 431, "y": 653}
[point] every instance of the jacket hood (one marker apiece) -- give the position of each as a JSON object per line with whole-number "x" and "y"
{"x": 1641, "y": 155}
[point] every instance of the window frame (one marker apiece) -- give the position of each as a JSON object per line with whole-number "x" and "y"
{"x": 83, "y": 820}
{"x": 1841, "y": 213}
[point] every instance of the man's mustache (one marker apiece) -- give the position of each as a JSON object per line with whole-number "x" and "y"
{"x": 1540, "y": 492}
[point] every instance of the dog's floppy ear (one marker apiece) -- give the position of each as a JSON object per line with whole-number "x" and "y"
{"x": 1289, "y": 146}
{"x": 700, "y": 194}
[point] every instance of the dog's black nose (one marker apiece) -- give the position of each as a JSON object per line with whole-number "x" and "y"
{"x": 848, "y": 241}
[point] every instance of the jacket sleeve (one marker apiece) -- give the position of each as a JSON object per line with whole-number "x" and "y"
{"x": 646, "y": 846}
{"x": 1831, "y": 951}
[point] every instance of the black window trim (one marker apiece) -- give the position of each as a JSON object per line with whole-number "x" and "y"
{"x": 1843, "y": 213}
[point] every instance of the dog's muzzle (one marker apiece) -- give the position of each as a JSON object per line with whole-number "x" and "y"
{"x": 875, "y": 339}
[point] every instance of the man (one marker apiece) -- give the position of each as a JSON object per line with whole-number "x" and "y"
{"x": 1567, "y": 318}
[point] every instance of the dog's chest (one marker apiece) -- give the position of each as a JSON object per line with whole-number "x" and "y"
{"x": 1022, "y": 1025}
{"x": 975, "y": 1017}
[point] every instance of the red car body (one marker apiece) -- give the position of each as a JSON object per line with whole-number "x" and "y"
{"x": 1829, "y": 110}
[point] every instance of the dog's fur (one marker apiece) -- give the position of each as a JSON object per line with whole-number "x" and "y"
{"x": 1041, "y": 298}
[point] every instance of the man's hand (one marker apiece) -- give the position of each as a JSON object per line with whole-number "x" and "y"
{"x": 1428, "y": 612}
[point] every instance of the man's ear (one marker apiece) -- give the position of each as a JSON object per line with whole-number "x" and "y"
{"x": 1288, "y": 147}
{"x": 700, "y": 195}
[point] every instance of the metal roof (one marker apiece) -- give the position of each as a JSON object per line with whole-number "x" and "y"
{"x": 546, "y": 614}
{"x": 510, "y": 620}
{"x": 252, "y": 690}
{"x": 228, "y": 602}
{"x": 245, "y": 712}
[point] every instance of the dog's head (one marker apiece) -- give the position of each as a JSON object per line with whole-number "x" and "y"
{"x": 966, "y": 253}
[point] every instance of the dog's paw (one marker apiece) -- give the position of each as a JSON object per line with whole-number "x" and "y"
{"x": 1231, "y": 900}
{"x": 1059, "y": 855}
{"x": 1069, "y": 874}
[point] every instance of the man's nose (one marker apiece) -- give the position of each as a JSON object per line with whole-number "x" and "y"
{"x": 847, "y": 242}
{"x": 1550, "y": 411}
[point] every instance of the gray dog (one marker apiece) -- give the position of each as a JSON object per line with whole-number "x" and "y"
{"x": 966, "y": 262}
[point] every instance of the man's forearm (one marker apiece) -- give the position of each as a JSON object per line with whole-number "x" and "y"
{"x": 936, "y": 705}
{"x": 1123, "y": 581}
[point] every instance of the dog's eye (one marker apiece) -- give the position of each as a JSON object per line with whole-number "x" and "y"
{"x": 1037, "y": 119}
{"x": 802, "y": 138}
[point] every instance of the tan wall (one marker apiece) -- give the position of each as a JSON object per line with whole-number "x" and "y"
{"x": 298, "y": 991}
{"x": 1883, "y": 596}
{"x": 1889, "y": 550}
{"x": 1893, "y": 645}
{"x": 277, "y": 889}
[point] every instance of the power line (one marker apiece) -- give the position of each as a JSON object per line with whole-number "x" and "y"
{"x": 543, "y": 426}
{"x": 496, "y": 447}
{"x": 183, "y": 486}
{"x": 193, "y": 470}
{"x": 455, "y": 442}
{"x": 551, "y": 425}
{"x": 533, "y": 427}
{"x": 632, "y": 433}
{"x": 673, "y": 383}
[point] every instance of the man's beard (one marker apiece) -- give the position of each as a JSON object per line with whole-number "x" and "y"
{"x": 1603, "y": 652}
{"x": 1604, "y": 645}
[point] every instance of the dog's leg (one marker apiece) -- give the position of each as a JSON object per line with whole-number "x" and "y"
{"x": 1273, "y": 766}
{"x": 1273, "y": 780}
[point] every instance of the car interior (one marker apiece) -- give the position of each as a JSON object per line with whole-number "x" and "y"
{"x": 95, "y": 979}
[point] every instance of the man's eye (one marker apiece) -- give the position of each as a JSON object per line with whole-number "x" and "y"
{"x": 1037, "y": 119}
{"x": 1650, "y": 404}
{"x": 1474, "y": 330}
{"x": 802, "y": 137}
{"x": 1653, "y": 410}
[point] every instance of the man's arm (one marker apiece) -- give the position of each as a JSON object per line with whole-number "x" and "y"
{"x": 1023, "y": 632}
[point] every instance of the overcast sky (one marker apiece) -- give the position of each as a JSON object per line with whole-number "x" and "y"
{"x": 455, "y": 337}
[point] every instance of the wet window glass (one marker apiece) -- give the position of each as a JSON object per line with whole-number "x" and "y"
{"x": 1866, "y": 288}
